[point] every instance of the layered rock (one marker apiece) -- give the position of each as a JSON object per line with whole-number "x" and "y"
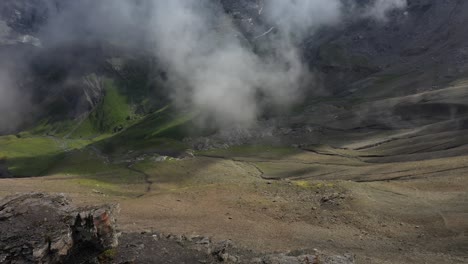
{"x": 42, "y": 228}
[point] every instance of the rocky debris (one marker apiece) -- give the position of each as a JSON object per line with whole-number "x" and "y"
{"x": 275, "y": 131}
{"x": 148, "y": 247}
{"x": 159, "y": 157}
{"x": 332, "y": 199}
{"x": 187, "y": 154}
{"x": 284, "y": 259}
{"x": 43, "y": 228}
{"x": 221, "y": 252}
{"x": 234, "y": 137}
{"x": 306, "y": 259}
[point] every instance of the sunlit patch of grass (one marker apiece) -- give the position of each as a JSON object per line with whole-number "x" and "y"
{"x": 313, "y": 185}
{"x": 178, "y": 174}
{"x": 113, "y": 110}
{"x": 85, "y": 130}
{"x": 162, "y": 130}
{"x": 24, "y": 147}
{"x": 109, "y": 188}
{"x": 95, "y": 174}
{"x": 29, "y": 156}
{"x": 34, "y": 156}
{"x": 82, "y": 163}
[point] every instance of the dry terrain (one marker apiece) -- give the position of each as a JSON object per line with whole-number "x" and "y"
{"x": 334, "y": 200}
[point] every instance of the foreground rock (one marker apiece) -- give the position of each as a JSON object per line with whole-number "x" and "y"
{"x": 41, "y": 228}
{"x": 150, "y": 247}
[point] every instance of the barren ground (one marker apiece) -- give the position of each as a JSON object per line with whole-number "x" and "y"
{"x": 392, "y": 212}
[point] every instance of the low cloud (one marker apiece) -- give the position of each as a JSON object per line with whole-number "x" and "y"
{"x": 213, "y": 70}
{"x": 380, "y": 8}
{"x": 14, "y": 105}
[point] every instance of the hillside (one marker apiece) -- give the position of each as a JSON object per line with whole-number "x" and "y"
{"x": 243, "y": 123}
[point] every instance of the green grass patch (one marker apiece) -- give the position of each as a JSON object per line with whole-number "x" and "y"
{"x": 113, "y": 111}
{"x": 96, "y": 173}
{"x": 174, "y": 128}
{"x": 109, "y": 187}
{"x": 162, "y": 130}
{"x": 34, "y": 156}
{"x": 83, "y": 162}
{"x": 29, "y": 156}
{"x": 53, "y": 128}
{"x": 85, "y": 129}
{"x": 313, "y": 185}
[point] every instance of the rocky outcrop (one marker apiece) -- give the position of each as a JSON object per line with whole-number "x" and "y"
{"x": 21, "y": 20}
{"x": 150, "y": 247}
{"x": 42, "y": 228}
{"x": 26, "y": 16}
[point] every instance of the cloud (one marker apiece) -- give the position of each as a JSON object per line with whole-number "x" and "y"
{"x": 380, "y": 9}
{"x": 13, "y": 103}
{"x": 213, "y": 70}
{"x": 216, "y": 73}
{"x": 301, "y": 17}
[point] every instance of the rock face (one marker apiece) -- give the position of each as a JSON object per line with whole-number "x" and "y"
{"x": 21, "y": 20}
{"x": 41, "y": 228}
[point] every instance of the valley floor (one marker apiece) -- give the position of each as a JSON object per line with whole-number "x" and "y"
{"x": 282, "y": 199}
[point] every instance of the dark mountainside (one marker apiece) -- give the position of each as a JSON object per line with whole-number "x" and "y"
{"x": 423, "y": 46}
{"x": 366, "y": 164}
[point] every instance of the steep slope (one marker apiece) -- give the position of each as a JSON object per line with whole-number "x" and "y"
{"x": 417, "y": 50}
{"x": 403, "y": 75}
{"x": 424, "y": 44}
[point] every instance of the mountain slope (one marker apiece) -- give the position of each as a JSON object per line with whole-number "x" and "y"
{"x": 370, "y": 161}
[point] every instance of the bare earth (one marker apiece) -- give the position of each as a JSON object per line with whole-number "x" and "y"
{"x": 402, "y": 212}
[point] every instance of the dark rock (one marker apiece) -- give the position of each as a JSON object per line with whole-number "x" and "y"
{"x": 220, "y": 251}
{"x": 42, "y": 228}
{"x": 304, "y": 259}
{"x": 204, "y": 241}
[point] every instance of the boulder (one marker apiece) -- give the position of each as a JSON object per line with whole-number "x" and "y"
{"x": 43, "y": 228}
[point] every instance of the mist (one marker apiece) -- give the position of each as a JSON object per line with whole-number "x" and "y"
{"x": 213, "y": 70}
{"x": 380, "y": 8}
{"x": 13, "y": 103}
